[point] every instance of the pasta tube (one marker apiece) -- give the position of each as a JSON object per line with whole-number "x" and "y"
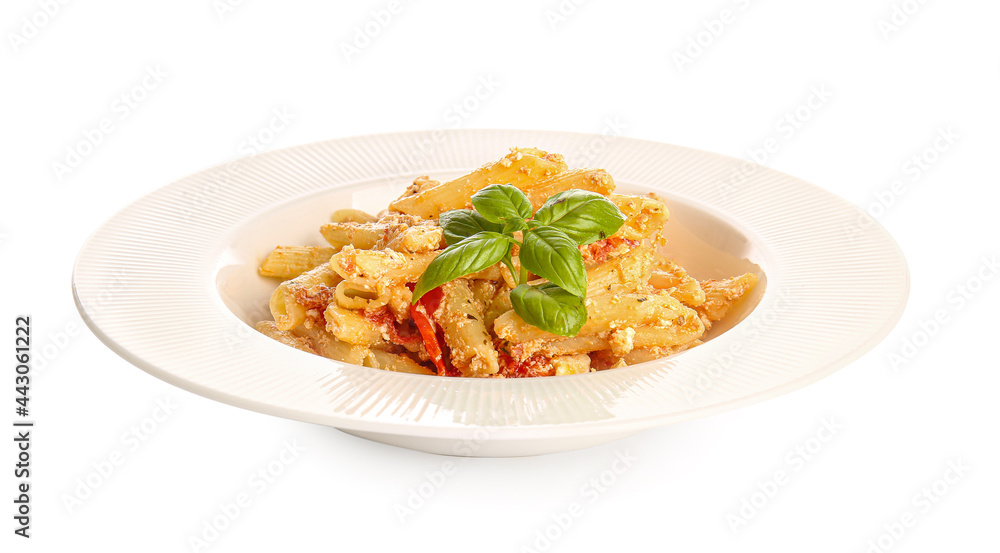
{"x": 328, "y": 346}
{"x": 520, "y": 168}
{"x": 683, "y": 330}
{"x": 461, "y": 317}
{"x": 604, "y": 312}
{"x": 303, "y": 298}
{"x": 671, "y": 275}
{"x": 348, "y": 325}
{"x": 720, "y": 295}
{"x": 393, "y": 362}
{"x": 594, "y": 180}
{"x": 625, "y": 273}
{"x": 644, "y": 216}
{"x": 291, "y": 261}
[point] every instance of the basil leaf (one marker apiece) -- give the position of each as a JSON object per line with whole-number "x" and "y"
{"x": 459, "y": 224}
{"x": 584, "y": 216}
{"x": 472, "y": 254}
{"x": 550, "y": 254}
{"x": 502, "y": 202}
{"x": 513, "y": 225}
{"x": 550, "y": 308}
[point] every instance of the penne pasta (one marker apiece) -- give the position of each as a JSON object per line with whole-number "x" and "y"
{"x": 413, "y": 239}
{"x": 720, "y": 295}
{"x": 484, "y": 290}
{"x": 393, "y": 362}
{"x": 349, "y": 325}
{"x": 521, "y": 168}
{"x": 403, "y": 233}
{"x": 571, "y": 364}
{"x": 498, "y": 306}
{"x": 398, "y": 301}
{"x": 644, "y": 217}
{"x": 359, "y": 235}
{"x": 593, "y": 180}
{"x": 604, "y": 312}
{"x": 351, "y": 216}
{"x": 419, "y": 185}
{"x": 287, "y": 262}
{"x": 327, "y": 345}
{"x": 669, "y": 275}
{"x": 461, "y": 316}
{"x": 381, "y": 268}
{"x": 618, "y": 342}
{"x": 642, "y": 355}
{"x": 626, "y": 273}
{"x": 355, "y": 297}
{"x": 357, "y": 264}
{"x": 303, "y": 298}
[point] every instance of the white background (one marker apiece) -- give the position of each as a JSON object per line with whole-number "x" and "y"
{"x": 602, "y": 66}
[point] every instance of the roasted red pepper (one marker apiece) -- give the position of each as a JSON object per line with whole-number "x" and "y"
{"x": 422, "y": 314}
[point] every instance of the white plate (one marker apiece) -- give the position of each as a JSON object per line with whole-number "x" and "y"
{"x": 170, "y": 284}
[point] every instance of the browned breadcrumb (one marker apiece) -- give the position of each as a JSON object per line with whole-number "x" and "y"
{"x": 420, "y": 184}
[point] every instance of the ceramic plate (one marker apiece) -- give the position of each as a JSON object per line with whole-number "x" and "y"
{"x": 170, "y": 284}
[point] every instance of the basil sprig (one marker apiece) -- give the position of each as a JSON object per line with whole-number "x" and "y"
{"x": 548, "y": 248}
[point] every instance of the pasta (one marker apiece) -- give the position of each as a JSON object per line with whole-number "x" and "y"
{"x": 302, "y": 299}
{"x": 522, "y": 167}
{"x": 287, "y": 262}
{"x": 352, "y": 301}
{"x": 402, "y": 233}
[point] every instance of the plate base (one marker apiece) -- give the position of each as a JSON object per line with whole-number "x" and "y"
{"x": 471, "y": 447}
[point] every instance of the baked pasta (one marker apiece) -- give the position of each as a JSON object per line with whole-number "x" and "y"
{"x": 352, "y": 300}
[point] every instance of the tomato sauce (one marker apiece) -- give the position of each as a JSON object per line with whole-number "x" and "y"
{"x": 598, "y": 252}
{"x": 536, "y": 365}
{"x": 314, "y": 297}
{"x": 383, "y": 318}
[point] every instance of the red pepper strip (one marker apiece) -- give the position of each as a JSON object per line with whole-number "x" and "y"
{"x": 421, "y": 316}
